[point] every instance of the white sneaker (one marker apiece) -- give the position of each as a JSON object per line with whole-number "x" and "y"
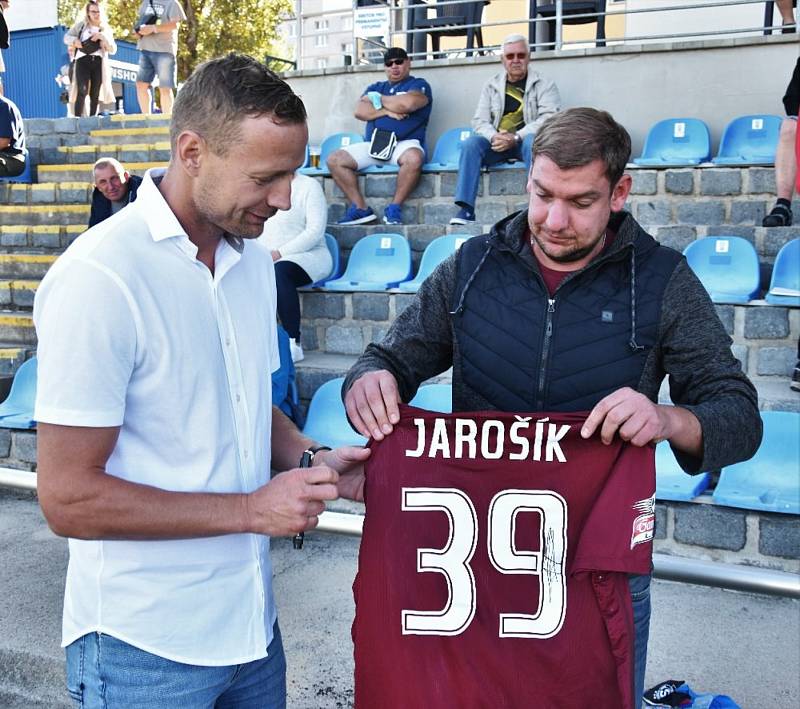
{"x": 297, "y": 350}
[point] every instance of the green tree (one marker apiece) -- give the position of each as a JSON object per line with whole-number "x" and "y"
{"x": 212, "y": 27}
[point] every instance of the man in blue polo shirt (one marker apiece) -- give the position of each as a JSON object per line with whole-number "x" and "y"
{"x": 13, "y": 152}
{"x": 401, "y": 105}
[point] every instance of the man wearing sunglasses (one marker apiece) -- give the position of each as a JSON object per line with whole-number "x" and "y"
{"x": 401, "y": 105}
{"x": 512, "y": 106}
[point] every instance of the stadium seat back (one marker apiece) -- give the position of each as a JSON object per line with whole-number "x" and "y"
{"x": 17, "y": 410}
{"x": 448, "y": 149}
{"x": 749, "y": 140}
{"x": 434, "y": 397}
{"x": 727, "y": 266}
{"x": 435, "y": 252}
{"x": 377, "y": 262}
{"x": 326, "y": 421}
{"x": 26, "y": 176}
{"x": 769, "y": 481}
{"x": 336, "y": 257}
{"x": 672, "y": 483}
{"x": 784, "y": 288}
{"x": 330, "y": 145}
{"x": 675, "y": 142}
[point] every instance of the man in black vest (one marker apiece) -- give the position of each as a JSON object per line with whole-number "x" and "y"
{"x": 572, "y": 306}
{"x": 114, "y": 187}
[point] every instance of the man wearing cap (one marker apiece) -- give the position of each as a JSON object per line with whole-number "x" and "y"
{"x": 512, "y": 106}
{"x": 401, "y": 105}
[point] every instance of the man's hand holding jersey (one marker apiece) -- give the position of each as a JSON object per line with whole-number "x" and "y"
{"x": 372, "y": 404}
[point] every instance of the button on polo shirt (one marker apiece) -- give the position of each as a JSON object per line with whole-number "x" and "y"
{"x": 135, "y": 332}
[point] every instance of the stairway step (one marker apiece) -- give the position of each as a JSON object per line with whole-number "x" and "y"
{"x": 11, "y": 357}
{"x": 18, "y": 294}
{"x": 25, "y": 267}
{"x": 82, "y": 171}
{"x": 45, "y": 237}
{"x": 139, "y": 120}
{"x": 66, "y": 192}
{"x": 124, "y": 136}
{"x": 16, "y": 328}
{"x": 37, "y": 214}
{"x": 157, "y": 151}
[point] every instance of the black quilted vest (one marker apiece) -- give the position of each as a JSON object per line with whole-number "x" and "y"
{"x": 520, "y": 350}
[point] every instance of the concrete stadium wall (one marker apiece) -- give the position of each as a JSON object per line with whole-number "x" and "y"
{"x": 714, "y": 80}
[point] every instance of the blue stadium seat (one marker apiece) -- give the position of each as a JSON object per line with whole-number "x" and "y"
{"x": 784, "y": 288}
{"x": 675, "y": 142}
{"x": 769, "y": 481}
{"x": 330, "y": 145}
{"x": 17, "y": 410}
{"x": 326, "y": 421}
{"x": 434, "y": 397}
{"x": 26, "y": 176}
{"x": 284, "y": 386}
{"x": 377, "y": 262}
{"x": 447, "y": 150}
{"x": 336, "y": 269}
{"x": 435, "y": 252}
{"x": 749, "y": 140}
{"x": 727, "y": 266}
{"x": 672, "y": 483}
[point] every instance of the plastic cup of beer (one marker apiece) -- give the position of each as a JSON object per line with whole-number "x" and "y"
{"x": 313, "y": 151}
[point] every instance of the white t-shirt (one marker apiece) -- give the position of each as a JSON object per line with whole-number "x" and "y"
{"x": 135, "y": 332}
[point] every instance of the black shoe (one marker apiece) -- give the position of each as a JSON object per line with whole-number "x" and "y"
{"x": 795, "y": 383}
{"x": 780, "y": 215}
{"x": 788, "y": 28}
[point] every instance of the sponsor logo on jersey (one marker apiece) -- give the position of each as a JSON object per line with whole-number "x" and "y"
{"x": 645, "y": 522}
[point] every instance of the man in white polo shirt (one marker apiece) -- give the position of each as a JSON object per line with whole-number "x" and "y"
{"x": 157, "y": 337}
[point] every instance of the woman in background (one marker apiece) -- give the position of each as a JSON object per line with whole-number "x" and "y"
{"x": 296, "y": 239}
{"x": 93, "y": 41}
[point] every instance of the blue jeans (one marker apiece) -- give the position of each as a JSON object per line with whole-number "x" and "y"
{"x": 161, "y": 63}
{"x": 105, "y": 673}
{"x": 477, "y": 152}
{"x": 640, "y": 599}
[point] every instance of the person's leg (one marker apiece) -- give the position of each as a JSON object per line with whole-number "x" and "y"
{"x": 410, "y": 163}
{"x": 147, "y": 72}
{"x": 106, "y": 673}
{"x": 167, "y": 98}
{"x": 786, "y": 10}
{"x": 473, "y": 152}
{"x": 526, "y": 153}
{"x": 143, "y": 97}
{"x": 82, "y": 76}
{"x": 288, "y": 278}
{"x": 167, "y": 69}
{"x": 95, "y": 82}
{"x": 640, "y": 600}
{"x": 260, "y": 684}
{"x": 785, "y": 175}
{"x": 343, "y": 170}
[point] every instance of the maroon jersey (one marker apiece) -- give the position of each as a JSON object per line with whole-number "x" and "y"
{"x": 494, "y": 561}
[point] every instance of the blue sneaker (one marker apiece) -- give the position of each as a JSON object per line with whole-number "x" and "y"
{"x": 354, "y": 215}
{"x": 464, "y": 216}
{"x": 392, "y": 214}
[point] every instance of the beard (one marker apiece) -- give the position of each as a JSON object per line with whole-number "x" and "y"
{"x": 569, "y": 256}
{"x": 207, "y": 205}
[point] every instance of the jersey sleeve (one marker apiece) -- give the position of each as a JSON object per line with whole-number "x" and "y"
{"x": 87, "y": 347}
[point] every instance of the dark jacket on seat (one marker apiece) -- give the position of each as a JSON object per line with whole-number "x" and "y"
{"x": 101, "y": 206}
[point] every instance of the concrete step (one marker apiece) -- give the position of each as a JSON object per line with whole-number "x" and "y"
{"x": 17, "y": 328}
{"x": 25, "y": 267}
{"x": 75, "y": 172}
{"x": 47, "y": 214}
{"x": 125, "y": 135}
{"x": 154, "y": 151}
{"x": 61, "y": 192}
{"x": 52, "y": 238}
{"x": 11, "y": 356}
{"x": 18, "y": 294}
{"x": 139, "y": 120}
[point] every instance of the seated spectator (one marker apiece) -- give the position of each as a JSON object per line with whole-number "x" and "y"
{"x": 114, "y": 187}
{"x": 786, "y": 8}
{"x": 785, "y": 159}
{"x": 511, "y": 107}
{"x": 296, "y": 239}
{"x": 13, "y": 153}
{"x": 401, "y": 105}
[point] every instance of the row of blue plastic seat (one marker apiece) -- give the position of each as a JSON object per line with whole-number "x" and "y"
{"x": 673, "y": 142}
{"x": 769, "y": 481}
{"x": 728, "y": 268}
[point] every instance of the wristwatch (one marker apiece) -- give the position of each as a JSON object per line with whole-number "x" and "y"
{"x": 306, "y": 461}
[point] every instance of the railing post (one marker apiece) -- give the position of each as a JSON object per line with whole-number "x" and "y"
{"x": 298, "y": 58}
{"x": 559, "y": 23}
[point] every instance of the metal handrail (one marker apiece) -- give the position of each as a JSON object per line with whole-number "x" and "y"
{"x": 672, "y": 568}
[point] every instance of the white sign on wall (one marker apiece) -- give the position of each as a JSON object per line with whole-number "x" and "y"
{"x": 31, "y": 14}
{"x": 371, "y": 21}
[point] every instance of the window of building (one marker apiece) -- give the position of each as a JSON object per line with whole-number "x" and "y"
{"x": 321, "y": 40}
{"x": 322, "y": 63}
{"x": 320, "y": 25}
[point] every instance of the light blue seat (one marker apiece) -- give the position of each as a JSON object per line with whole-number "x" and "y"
{"x": 784, "y": 288}
{"x": 336, "y": 269}
{"x": 770, "y": 480}
{"x": 330, "y": 145}
{"x": 326, "y": 420}
{"x": 672, "y": 483}
{"x": 675, "y": 142}
{"x": 434, "y": 397}
{"x": 435, "y": 252}
{"x": 727, "y": 266}
{"x": 17, "y": 410}
{"x": 749, "y": 140}
{"x": 447, "y": 150}
{"x": 26, "y": 176}
{"x": 377, "y": 262}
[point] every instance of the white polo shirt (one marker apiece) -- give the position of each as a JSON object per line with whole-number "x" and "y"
{"x": 135, "y": 332}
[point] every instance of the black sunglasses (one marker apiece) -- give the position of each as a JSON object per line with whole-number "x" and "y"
{"x": 394, "y": 62}
{"x": 512, "y": 56}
